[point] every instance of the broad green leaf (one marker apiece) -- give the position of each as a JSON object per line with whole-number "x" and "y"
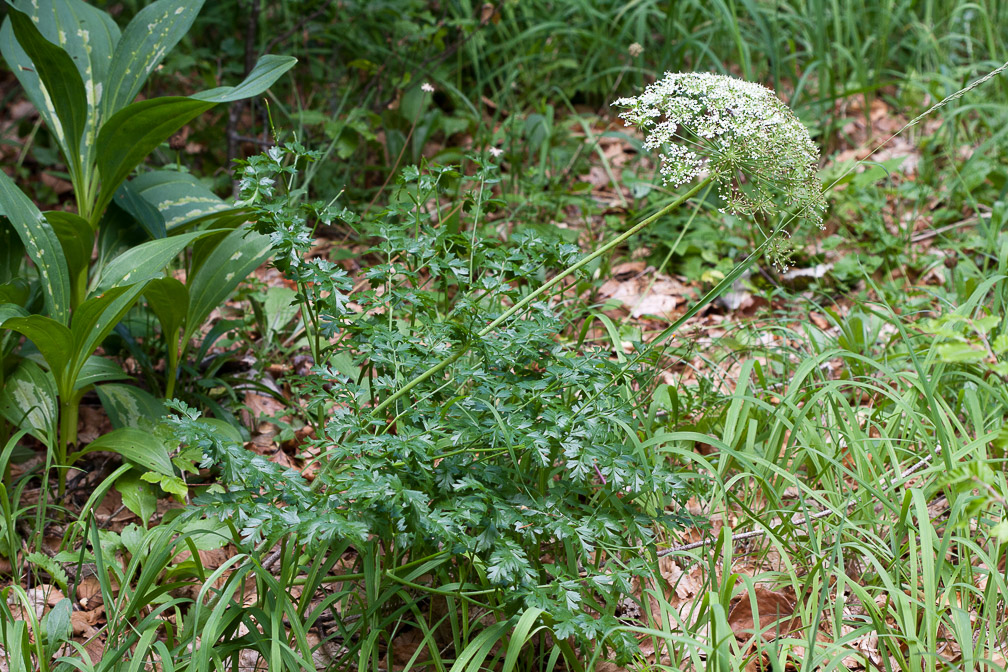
{"x": 169, "y": 300}
{"x": 96, "y": 317}
{"x": 173, "y": 485}
{"x": 52, "y": 339}
{"x": 129, "y": 406}
{"x": 280, "y": 308}
{"x": 144, "y": 449}
{"x": 133, "y": 132}
{"x": 138, "y": 495}
{"x": 181, "y": 198}
{"x": 266, "y": 71}
{"x": 224, "y": 429}
{"x": 145, "y": 261}
{"x": 152, "y": 33}
{"x": 42, "y": 245}
{"x": 230, "y": 263}
{"x": 98, "y": 370}
{"x": 62, "y": 88}
{"x": 130, "y": 200}
{"x": 29, "y": 400}
{"x": 56, "y": 625}
{"x": 960, "y": 353}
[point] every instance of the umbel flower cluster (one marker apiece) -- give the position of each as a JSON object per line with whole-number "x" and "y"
{"x": 738, "y": 133}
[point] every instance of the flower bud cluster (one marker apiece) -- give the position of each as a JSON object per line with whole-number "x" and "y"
{"x": 739, "y": 133}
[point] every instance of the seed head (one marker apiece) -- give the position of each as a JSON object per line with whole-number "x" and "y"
{"x": 737, "y": 132}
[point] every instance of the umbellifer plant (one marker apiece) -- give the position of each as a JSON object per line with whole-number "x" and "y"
{"x": 511, "y": 464}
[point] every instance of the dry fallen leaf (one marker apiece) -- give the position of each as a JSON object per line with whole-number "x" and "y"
{"x": 774, "y": 610}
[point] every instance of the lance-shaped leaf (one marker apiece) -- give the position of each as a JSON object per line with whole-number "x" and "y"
{"x": 152, "y": 33}
{"x": 88, "y": 35}
{"x": 52, "y": 339}
{"x": 229, "y": 263}
{"x": 42, "y": 245}
{"x": 29, "y": 400}
{"x": 96, "y": 317}
{"x": 134, "y": 132}
{"x": 145, "y": 261}
{"x": 77, "y": 240}
{"x": 75, "y": 236}
{"x": 266, "y": 71}
{"x": 140, "y": 447}
{"x": 62, "y": 88}
{"x": 129, "y": 406}
{"x": 181, "y": 199}
{"x": 98, "y": 370}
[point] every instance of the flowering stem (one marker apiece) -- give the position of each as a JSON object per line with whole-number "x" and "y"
{"x": 443, "y": 364}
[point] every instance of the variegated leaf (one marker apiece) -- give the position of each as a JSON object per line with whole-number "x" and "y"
{"x": 60, "y": 85}
{"x": 42, "y": 245}
{"x": 181, "y": 199}
{"x": 134, "y": 132}
{"x": 87, "y": 34}
{"x": 228, "y": 264}
{"x": 147, "y": 39}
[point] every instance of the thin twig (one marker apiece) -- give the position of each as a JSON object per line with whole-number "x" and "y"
{"x": 815, "y": 516}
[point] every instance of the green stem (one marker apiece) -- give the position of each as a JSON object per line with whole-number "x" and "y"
{"x": 69, "y": 407}
{"x": 445, "y": 363}
{"x": 174, "y": 353}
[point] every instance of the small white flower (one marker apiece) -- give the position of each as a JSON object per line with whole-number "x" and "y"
{"x": 427, "y": 87}
{"x": 635, "y": 49}
{"x": 495, "y": 151}
{"x": 738, "y": 132}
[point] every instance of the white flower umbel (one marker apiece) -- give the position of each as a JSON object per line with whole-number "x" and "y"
{"x": 738, "y": 133}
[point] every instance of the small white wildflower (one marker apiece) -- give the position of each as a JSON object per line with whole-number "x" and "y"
{"x": 427, "y": 87}
{"x": 739, "y": 133}
{"x": 495, "y": 151}
{"x": 635, "y": 49}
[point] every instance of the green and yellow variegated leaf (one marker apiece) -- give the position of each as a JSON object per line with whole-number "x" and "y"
{"x": 134, "y": 132}
{"x": 228, "y": 264}
{"x": 28, "y": 400}
{"x": 42, "y": 245}
{"x": 181, "y": 198}
{"x": 94, "y": 320}
{"x": 129, "y": 406}
{"x": 87, "y": 34}
{"x": 152, "y": 33}
{"x": 60, "y": 85}
{"x": 145, "y": 261}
